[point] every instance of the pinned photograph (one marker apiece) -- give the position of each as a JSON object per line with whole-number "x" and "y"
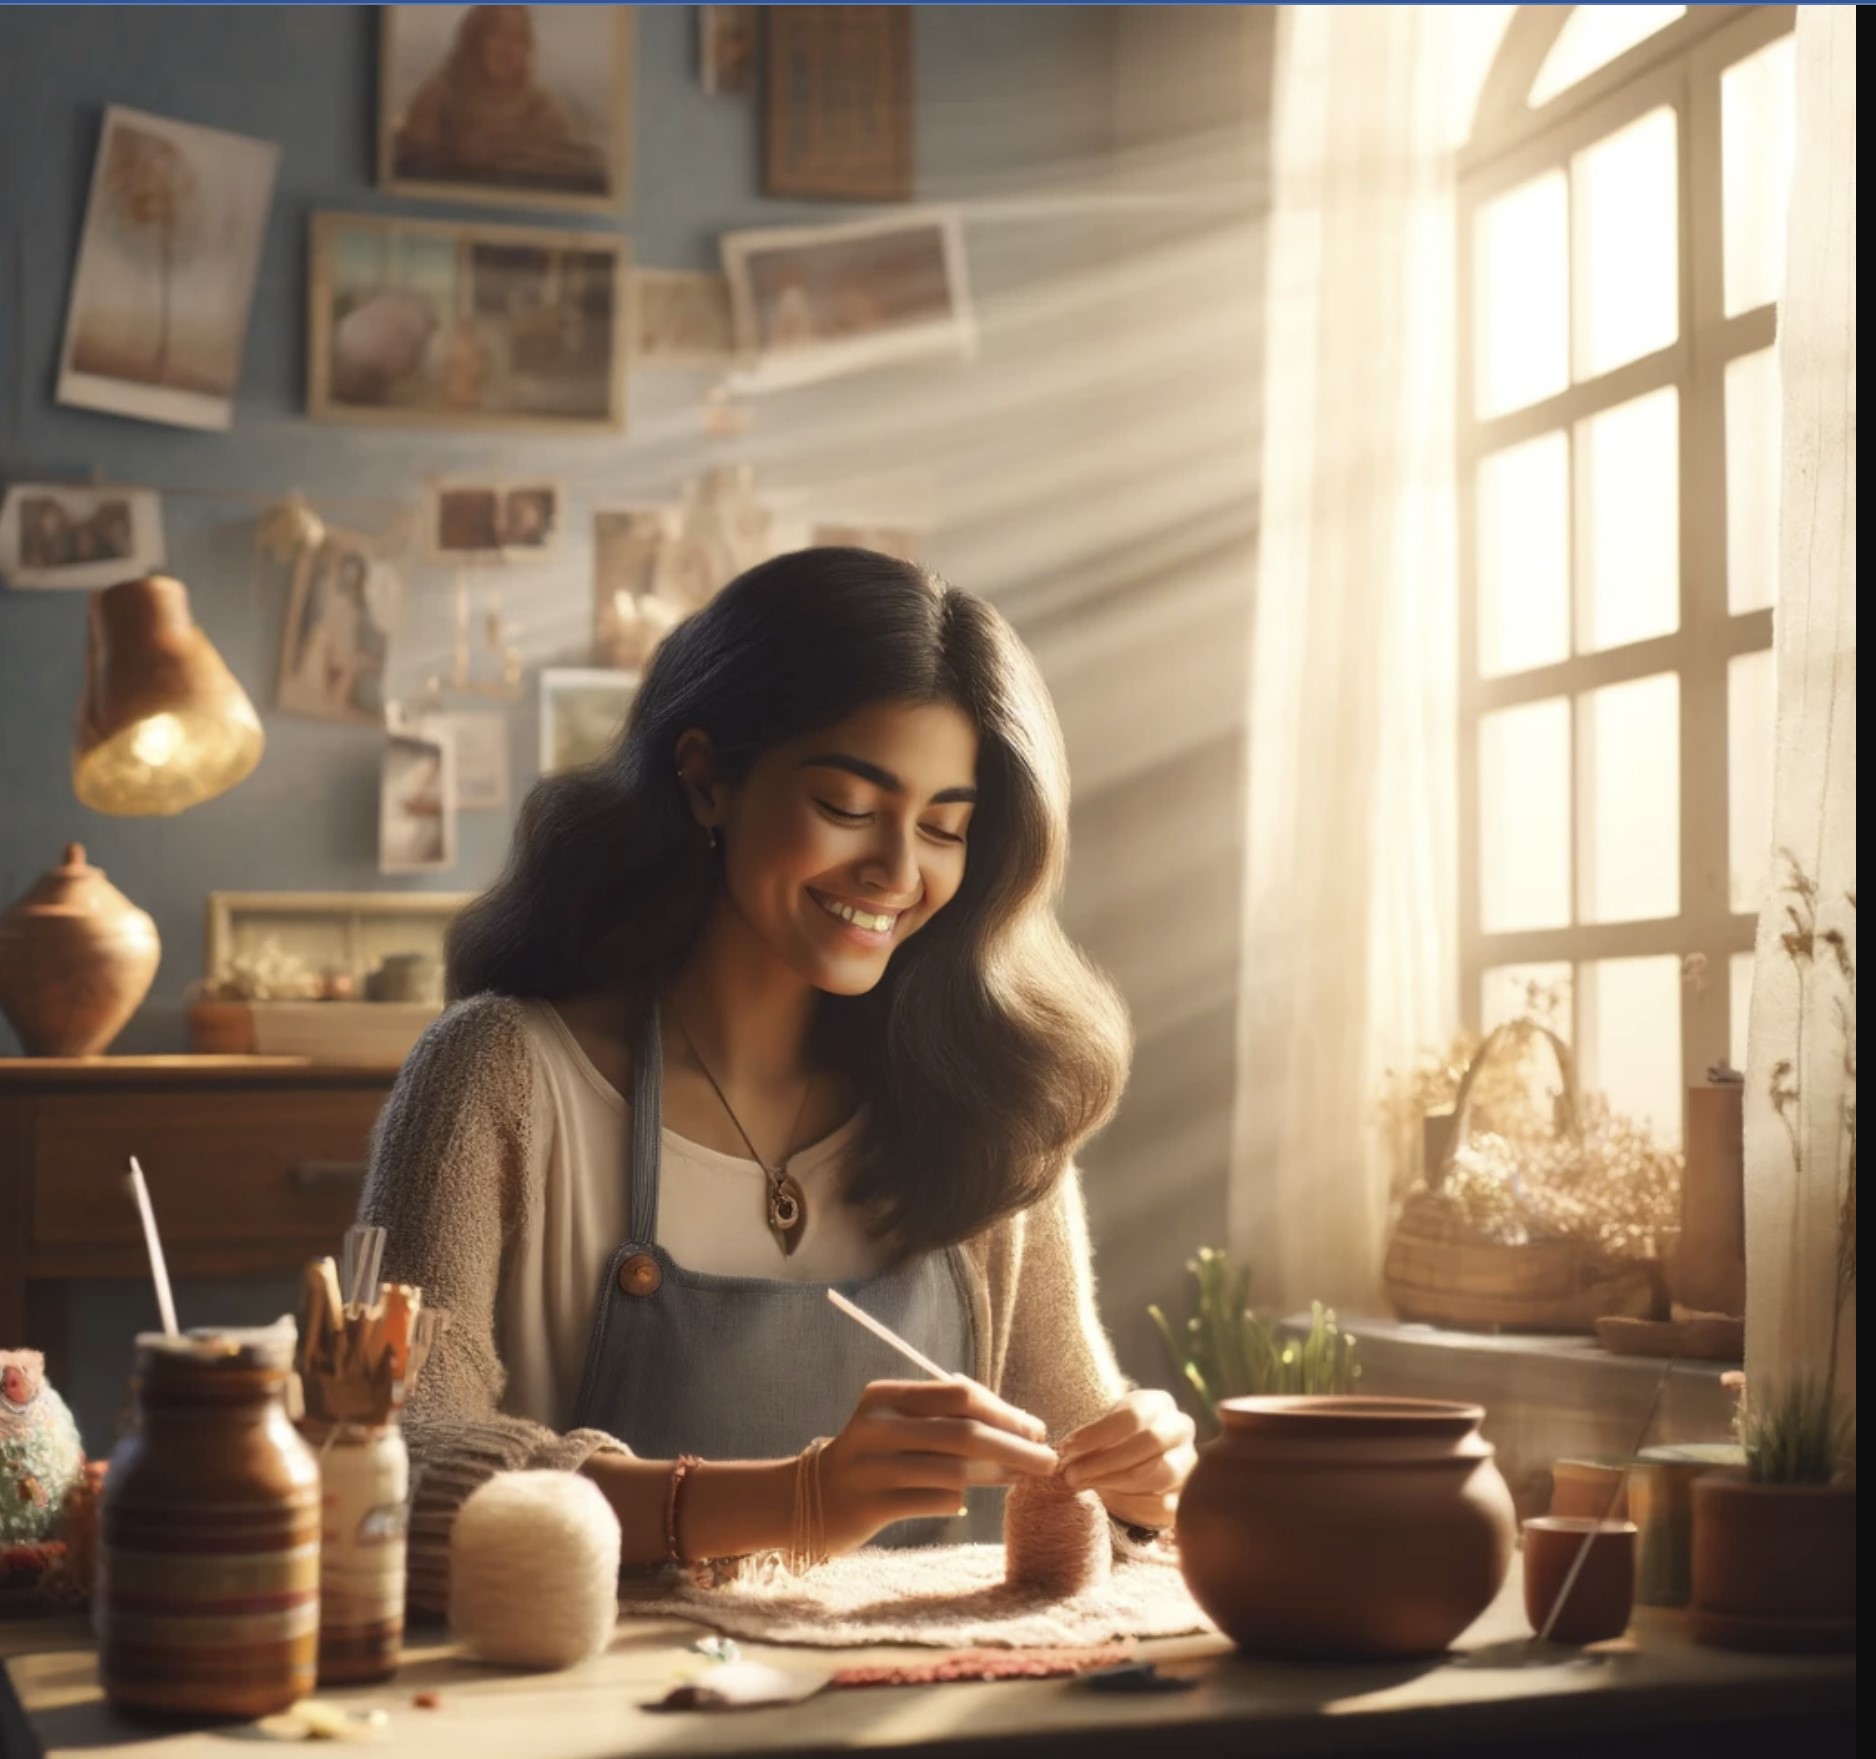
{"x": 726, "y": 49}
{"x": 55, "y": 535}
{"x": 498, "y": 521}
{"x": 583, "y": 713}
{"x": 812, "y": 303}
{"x": 158, "y": 319}
{"x": 634, "y": 550}
{"x": 519, "y": 105}
{"x": 478, "y": 741}
{"x": 838, "y": 108}
{"x": 335, "y": 649}
{"x": 682, "y": 318}
{"x": 417, "y": 803}
{"x": 427, "y": 323}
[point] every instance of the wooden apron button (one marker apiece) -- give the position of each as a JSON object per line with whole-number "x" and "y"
{"x": 640, "y": 1275}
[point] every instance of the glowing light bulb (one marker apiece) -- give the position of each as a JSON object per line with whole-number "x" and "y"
{"x": 156, "y": 740}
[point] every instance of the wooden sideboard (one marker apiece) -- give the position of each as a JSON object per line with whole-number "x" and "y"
{"x": 254, "y": 1166}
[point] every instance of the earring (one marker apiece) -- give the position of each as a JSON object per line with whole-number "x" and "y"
{"x": 710, "y": 831}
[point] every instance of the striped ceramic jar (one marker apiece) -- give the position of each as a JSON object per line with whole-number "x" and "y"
{"x": 207, "y": 1600}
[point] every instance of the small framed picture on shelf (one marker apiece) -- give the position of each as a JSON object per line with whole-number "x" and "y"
{"x": 583, "y": 712}
{"x": 817, "y": 302}
{"x": 55, "y": 535}
{"x": 428, "y": 323}
{"x": 507, "y": 106}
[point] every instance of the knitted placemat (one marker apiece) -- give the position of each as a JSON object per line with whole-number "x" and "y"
{"x": 939, "y": 1597}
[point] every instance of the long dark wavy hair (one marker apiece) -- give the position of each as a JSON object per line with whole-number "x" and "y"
{"x": 991, "y": 1049}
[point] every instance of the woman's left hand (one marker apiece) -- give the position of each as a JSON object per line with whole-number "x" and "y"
{"x": 1137, "y": 1458}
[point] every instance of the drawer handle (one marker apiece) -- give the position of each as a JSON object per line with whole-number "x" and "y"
{"x": 308, "y": 1173}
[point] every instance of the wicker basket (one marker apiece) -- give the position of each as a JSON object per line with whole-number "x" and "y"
{"x": 1440, "y": 1272}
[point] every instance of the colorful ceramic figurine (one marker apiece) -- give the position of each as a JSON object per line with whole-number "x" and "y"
{"x": 40, "y": 1456}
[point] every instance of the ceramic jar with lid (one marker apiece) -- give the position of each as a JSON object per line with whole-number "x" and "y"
{"x": 1346, "y": 1527}
{"x": 207, "y": 1601}
{"x": 76, "y": 960}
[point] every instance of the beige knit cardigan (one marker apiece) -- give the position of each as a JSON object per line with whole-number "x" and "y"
{"x": 455, "y": 1176}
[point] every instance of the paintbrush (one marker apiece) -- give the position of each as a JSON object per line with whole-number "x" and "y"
{"x": 153, "y": 1244}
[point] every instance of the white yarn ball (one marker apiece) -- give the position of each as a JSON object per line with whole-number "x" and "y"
{"x": 534, "y": 1570}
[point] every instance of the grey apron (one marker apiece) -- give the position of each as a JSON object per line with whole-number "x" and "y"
{"x": 745, "y": 1368}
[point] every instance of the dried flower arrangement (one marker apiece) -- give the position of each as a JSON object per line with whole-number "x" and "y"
{"x": 1226, "y": 1351}
{"x": 1798, "y": 1432}
{"x": 1535, "y": 1162}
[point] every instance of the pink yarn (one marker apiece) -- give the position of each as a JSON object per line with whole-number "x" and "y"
{"x": 1055, "y": 1540}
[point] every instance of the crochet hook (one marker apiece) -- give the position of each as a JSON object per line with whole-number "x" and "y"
{"x": 889, "y": 1337}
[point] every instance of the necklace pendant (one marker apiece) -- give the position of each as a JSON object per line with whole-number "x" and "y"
{"x": 788, "y": 1210}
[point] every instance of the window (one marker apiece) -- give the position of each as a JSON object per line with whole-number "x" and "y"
{"x": 1622, "y": 220}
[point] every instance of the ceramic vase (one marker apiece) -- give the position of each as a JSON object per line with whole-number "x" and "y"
{"x": 76, "y": 960}
{"x": 1774, "y": 1566}
{"x": 1346, "y": 1528}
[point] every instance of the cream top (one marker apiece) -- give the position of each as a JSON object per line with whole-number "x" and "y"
{"x": 712, "y": 1217}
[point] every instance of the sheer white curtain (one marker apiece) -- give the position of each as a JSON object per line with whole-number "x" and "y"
{"x": 1793, "y": 1177}
{"x": 1349, "y": 944}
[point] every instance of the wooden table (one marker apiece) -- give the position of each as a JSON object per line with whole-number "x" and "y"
{"x": 1492, "y": 1696}
{"x": 254, "y": 1164}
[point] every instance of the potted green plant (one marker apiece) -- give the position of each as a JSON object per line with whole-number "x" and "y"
{"x": 1224, "y": 1350}
{"x": 1774, "y": 1545}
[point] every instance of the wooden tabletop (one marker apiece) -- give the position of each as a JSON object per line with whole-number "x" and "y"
{"x": 1492, "y": 1694}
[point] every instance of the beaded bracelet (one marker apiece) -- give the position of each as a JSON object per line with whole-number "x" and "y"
{"x": 686, "y": 1463}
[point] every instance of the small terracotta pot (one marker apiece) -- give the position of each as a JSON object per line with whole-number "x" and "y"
{"x": 1346, "y": 1527}
{"x": 76, "y": 959}
{"x": 1590, "y": 1490}
{"x": 1603, "y": 1595}
{"x": 1774, "y": 1566}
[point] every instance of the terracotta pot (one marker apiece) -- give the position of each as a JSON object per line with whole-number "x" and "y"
{"x": 76, "y": 959}
{"x": 1774, "y": 1566}
{"x": 1346, "y": 1527}
{"x": 1603, "y": 1594}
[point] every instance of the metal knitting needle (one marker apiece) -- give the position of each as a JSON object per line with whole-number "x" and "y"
{"x": 889, "y": 1337}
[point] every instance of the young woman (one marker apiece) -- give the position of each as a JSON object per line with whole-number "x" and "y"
{"x": 774, "y": 998}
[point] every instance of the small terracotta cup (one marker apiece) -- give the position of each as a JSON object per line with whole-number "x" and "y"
{"x": 1582, "y": 1489}
{"x": 1603, "y": 1595}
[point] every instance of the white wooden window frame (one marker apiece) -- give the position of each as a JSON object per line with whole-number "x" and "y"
{"x": 1680, "y": 68}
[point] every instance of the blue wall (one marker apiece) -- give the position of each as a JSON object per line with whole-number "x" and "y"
{"x": 1009, "y": 97}
{"x": 1012, "y": 101}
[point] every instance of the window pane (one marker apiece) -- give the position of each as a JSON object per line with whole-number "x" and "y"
{"x": 1521, "y": 289}
{"x": 1592, "y": 37}
{"x": 1628, "y": 510}
{"x": 1626, "y": 258}
{"x": 1539, "y": 992}
{"x": 1751, "y": 753}
{"x": 1629, "y": 1021}
{"x": 1629, "y": 832}
{"x": 1758, "y": 127}
{"x": 1739, "y": 969}
{"x": 1524, "y": 556}
{"x": 1753, "y": 417}
{"x": 1524, "y": 817}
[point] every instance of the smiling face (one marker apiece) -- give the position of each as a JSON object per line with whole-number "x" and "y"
{"x": 841, "y": 845}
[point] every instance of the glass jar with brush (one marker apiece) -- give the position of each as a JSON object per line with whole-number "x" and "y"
{"x": 207, "y": 1600}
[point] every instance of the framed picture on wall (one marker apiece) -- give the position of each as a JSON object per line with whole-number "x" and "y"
{"x": 436, "y": 324}
{"x": 838, "y": 123}
{"x": 61, "y": 535}
{"x": 582, "y": 713}
{"x": 158, "y": 319}
{"x": 681, "y": 318}
{"x": 510, "y": 105}
{"x": 492, "y": 521}
{"x": 726, "y": 49}
{"x": 815, "y": 302}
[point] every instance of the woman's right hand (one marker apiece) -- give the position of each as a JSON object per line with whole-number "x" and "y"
{"x": 911, "y": 1447}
